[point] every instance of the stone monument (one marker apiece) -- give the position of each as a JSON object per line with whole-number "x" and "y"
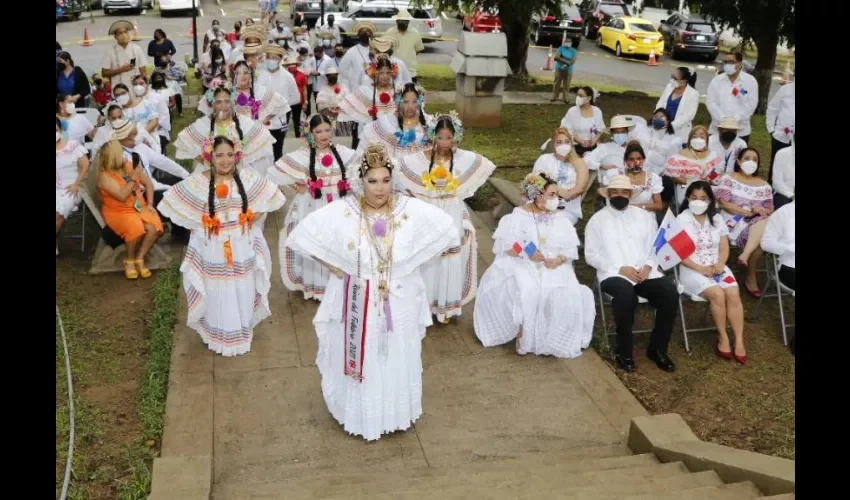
{"x": 481, "y": 65}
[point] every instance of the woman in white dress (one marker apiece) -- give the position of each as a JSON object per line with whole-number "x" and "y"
{"x": 141, "y": 111}
{"x": 74, "y": 127}
{"x": 143, "y": 92}
{"x": 227, "y": 268}
{"x": 705, "y": 272}
{"x": 320, "y": 173}
{"x": 255, "y": 140}
{"x": 367, "y": 103}
{"x": 584, "y": 121}
{"x": 531, "y": 292}
{"x": 329, "y": 98}
{"x": 566, "y": 168}
{"x": 372, "y": 320}
{"x": 250, "y": 99}
{"x": 72, "y": 164}
{"x": 695, "y": 162}
{"x": 445, "y": 176}
{"x": 648, "y": 187}
{"x": 404, "y": 133}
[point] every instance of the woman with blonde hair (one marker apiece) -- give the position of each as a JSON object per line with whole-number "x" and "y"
{"x": 127, "y": 193}
{"x": 568, "y": 170}
{"x": 695, "y": 162}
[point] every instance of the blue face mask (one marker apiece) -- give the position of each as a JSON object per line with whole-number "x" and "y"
{"x": 621, "y": 138}
{"x": 658, "y": 123}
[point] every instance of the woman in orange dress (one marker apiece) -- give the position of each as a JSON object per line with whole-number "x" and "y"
{"x": 127, "y": 205}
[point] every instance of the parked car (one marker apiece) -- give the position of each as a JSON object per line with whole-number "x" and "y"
{"x": 597, "y": 13}
{"x": 631, "y": 36}
{"x": 168, "y": 7}
{"x": 312, "y": 10}
{"x": 69, "y": 9}
{"x": 482, "y": 21}
{"x": 381, "y": 12}
{"x": 134, "y": 6}
{"x": 549, "y": 29}
{"x": 690, "y": 34}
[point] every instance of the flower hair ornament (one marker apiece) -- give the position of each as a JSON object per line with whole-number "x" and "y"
{"x": 372, "y": 67}
{"x": 375, "y": 156}
{"x": 399, "y": 95}
{"x": 207, "y": 151}
{"x": 452, "y": 115}
{"x": 215, "y": 84}
{"x": 532, "y": 186}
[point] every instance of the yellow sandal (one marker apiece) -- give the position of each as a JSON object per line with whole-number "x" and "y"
{"x": 130, "y": 271}
{"x": 144, "y": 272}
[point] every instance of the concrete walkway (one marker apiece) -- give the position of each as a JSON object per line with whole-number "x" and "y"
{"x": 234, "y": 423}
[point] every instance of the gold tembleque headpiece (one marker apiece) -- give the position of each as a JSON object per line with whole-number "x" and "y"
{"x": 375, "y": 156}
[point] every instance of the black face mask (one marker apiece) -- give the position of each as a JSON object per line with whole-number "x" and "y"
{"x": 339, "y": 53}
{"x": 364, "y": 39}
{"x": 728, "y": 137}
{"x": 619, "y": 202}
{"x": 402, "y": 26}
{"x": 61, "y": 65}
{"x": 332, "y": 79}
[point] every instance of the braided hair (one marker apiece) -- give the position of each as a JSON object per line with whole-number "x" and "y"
{"x": 223, "y": 90}
{"x": 444, "y": 122}
{"x": 408, "y": 88}
{"x": 211, "y": 201}
{"x": 250, "y": 72}
{"x": 315, "y": 121}
{"x": 381, "y": 62}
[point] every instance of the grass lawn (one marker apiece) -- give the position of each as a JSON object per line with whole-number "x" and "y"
{"x": 748, "y": 407}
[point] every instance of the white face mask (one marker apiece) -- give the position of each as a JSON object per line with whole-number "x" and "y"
{"x": 698, "y": 143}
{"x": 552, "y": 205}
{"x": 139, "y": 90}
{"x": 580, "y": 100}
{"x": 749, "y": 167}
{"x": 122, "y": 99}
{"x": 58, "y": 136}
{"x": 70, "y": 108}
{"x": 562, "y": 150}
{"x": 272, "y": 65}
{"x": 674, "y": 83}
{"x": 729, "y": 69}
{"x": 698, "y": 207}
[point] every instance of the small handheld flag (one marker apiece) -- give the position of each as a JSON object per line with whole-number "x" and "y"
{"x": 672, "y": 242}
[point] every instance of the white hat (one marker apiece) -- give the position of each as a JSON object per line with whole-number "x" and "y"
{"x": 617, "y": 182}
{"x": 621, "y": 121}
{"x": 403, "y": 15}
{"x": 330, "y": 70}
{"x": 729, "y": 123}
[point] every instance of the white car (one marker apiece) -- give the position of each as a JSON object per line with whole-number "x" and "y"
{"x": 135, "y": 6}
{"x": 170, "y": 6}
{"x": 381, "y": 12}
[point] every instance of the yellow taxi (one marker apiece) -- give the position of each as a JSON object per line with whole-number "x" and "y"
{"x": 631, "y": 36}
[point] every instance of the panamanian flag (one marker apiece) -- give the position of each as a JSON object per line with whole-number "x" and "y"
{"x": 672, "y": 243}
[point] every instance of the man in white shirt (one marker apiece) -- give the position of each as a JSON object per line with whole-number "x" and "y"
{"x": 781, "y": 120}
{"x": 409, "y": 41}
{"x": 272, "y": 76}
{"x": 330, "y": 35}
{"x": 619, "y": 242}
{"x": 302, "y": 38}
{"x": 280, "y": 31}
{"x": 356, "y": 59}
{"x": 733, "y": 93}
{"x": 726, "y": 144}
{"x": 780, "y": 238}
{"x": 314, "y": 67}
{"x": 124, "y": 60}
{"x": 608, "y": 156}
{"x": 784, "y": 175}
{"x": 114, "y": 114}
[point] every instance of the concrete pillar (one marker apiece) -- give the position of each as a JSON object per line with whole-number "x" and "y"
{"x": 481, "y": 65}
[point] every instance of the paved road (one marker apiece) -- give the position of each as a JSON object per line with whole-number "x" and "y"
{"x": 594, "y": 64}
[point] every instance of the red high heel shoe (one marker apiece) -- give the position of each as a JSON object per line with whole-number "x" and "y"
{"x": 740, "y": 359}
{"x": 727, "y": 355}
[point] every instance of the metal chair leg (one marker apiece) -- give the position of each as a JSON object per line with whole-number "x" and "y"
{"x": 779, "y": 298}
{"x": 83, "y": 234}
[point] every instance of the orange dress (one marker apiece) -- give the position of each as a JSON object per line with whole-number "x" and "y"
{"x": 122, "y": 217}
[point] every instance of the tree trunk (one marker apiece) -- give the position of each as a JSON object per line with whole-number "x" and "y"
{"x": 516, "y": 33}
{"x": 763, "y": 73}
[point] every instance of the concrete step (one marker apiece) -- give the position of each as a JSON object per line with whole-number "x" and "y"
{"x": 736, "y": 491}
{"x": 783, "y": 496}
{"x": 459, "y": 482}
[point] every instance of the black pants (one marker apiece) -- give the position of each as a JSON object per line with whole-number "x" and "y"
{"x": 669, "y": 191}
{"x": 779, "y": 200}
{"x": 775, "y": 147}
{"x": 163, "y": 142}
{"x": 279, "y": 136}
{"x": 355, "y": 135}
{"x": 296, "y": 119}
{"x": 178, "y": 103}
{"x": 310, "y": 95}
{"x": 178, "y": 233}
{"x": 786, "y": 276}
{"x": 661, "y": 294}
{"x": 581, "y": 150}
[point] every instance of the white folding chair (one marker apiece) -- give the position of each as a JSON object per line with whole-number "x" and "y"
{"x": 91, "y": 114}
{"x": 693, "y": 298}
{"x": 772, "y": 261}
{"x": 83, "y": 212}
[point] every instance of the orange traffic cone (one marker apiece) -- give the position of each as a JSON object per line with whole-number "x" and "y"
{"x": 86, "y": 42}
{"x": 191, "y": 30}
{"x": 548, "y": 66}
{"x": 652, "y": 61}
{"x": 136, "y": 36}
{"x": 786, "y": 75}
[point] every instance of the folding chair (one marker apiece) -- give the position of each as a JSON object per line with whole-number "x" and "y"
{"x": 697, "y": 299}
{"x": 91, "y": 114}
{"x": 772, "y": 261}
{"x": 83, "y": 212}
{"x": 603, "y": 299}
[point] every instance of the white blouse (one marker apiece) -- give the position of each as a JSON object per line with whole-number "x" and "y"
{"x": 729, "y": 156}
{"x": 652, "y": 185}
{"x": 581, "y": 127}
{"x": 564, "y": 174}
{"x": 784, "y": 171}
{"x": 706, "y": 237}
{"x": 658, "y": 146}
{"x": 780, "y": 235}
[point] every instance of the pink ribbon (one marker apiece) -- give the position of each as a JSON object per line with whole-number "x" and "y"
{"x": 315, "y": 186}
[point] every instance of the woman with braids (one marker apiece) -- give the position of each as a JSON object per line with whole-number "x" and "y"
{"x": 255, "y": 140}
{"x": 250, "y": 99}
{"x": 370, "y": 324}
{"x": 406, "y": 133}
{"x": 444, "y": 176}
{"x": 531, "y": 292}
{"x": 227, "y": 269}
{"x": 369, "y": 102}
{"x": 320, "y": 173}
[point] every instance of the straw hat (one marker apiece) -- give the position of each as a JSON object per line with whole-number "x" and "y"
{"x": 330, "y": 70}
{"x": 729, "y": 123}
{"x": 121, "y": 129}
{"x": 364, "y": 26}
{"x": 253, "y": 49}
{"x": 120, "y": 24}
{"x": 275, "y": 50}
{"x": 252, "y": 32}
{"x": 298, "y": 30}
{"x": 403, "y": 15}
{"x": 617, "y": 182}
{"x": 326, "y": 36}
{"x": 290, "y": 61}
{"x": 621, "y": 121}
{"x": 383, "y": 44}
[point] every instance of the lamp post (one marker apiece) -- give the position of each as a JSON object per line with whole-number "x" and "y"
{"x": 195, "y": 32}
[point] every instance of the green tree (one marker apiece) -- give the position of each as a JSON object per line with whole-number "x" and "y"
{"x": 516, "y": 21}
{"x": 765, "y": 23}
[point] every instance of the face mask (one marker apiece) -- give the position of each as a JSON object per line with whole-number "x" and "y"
{"x": 698, "y": 207}
{"x": 402, "y": 26}
{"x": 552, "y": 205}
{"x": 139, "y": 90}
{"x": 658, "y": 123}
{"x": 567, "y": 43}
{"x": 222, "y": 115}
{"x": 562, "y": 149}
{"x": 219, "y": 61}
{"x": 299, "y": 38}
{"x": 749, "y": 167}
{"x": 621, "y": 138}
{"x": 70, "y": 108}
{"x": 729, "y": 69}
{"x": 698, "y": 143}
{"x": 635, "y": 167}
{"x": 618, "y": 202}
{"x": 62, "y": 65}
{"x": 272, "y": 65}
{"x": 674, "y": 83}
{"x": 339, "y": 53}
{"x": 364, "y": 39}
{"x": 332, "y": 79}
{"x": 124, "y": 38}
{"x": 58, "y": 136}
{"x": 291, "y": 69}
{"x": 580, "y": 100}
{"x": 122, "y": 99}
{"x": 728, "y": 137}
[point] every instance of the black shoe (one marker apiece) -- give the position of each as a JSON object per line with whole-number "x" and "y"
{"x": 625, "y": 364}
{"x": 661, "y": 360}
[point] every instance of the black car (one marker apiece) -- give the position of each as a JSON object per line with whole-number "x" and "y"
{"x": 690, "y": 34}
{"x": 549, "y": 29}
{"x": 312, "y": 10}
{"x": 69, "y": 10}
{"x": 597, "y": 13}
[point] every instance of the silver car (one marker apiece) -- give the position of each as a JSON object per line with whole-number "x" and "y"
{"x": 381, "y": 12}
{"x": 135, "y": 6}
